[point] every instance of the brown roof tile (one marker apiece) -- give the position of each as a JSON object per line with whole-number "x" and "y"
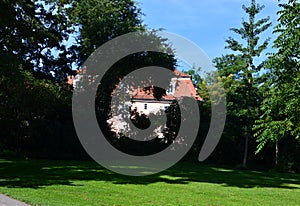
{"x": 184, "y": 88}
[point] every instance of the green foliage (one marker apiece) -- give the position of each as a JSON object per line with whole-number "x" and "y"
{"x": 280, "y": 108}
{"x": 34, "y": 32}
{"x": 23, "y": 99}
{"x": 36, "y": 55}
{"x": 99, "y": 21}
{"x": 240, "y": 75}
{"x": 250, "y": 32}
{"x": 32, "y": 105}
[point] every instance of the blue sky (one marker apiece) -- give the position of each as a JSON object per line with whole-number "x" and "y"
{"x": 205, "y": 22}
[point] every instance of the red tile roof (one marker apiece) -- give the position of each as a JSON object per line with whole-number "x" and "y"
{"x": 81, "y": 71}
{"x": 146, "y": 95}
{"x": 181, "y": 74}
{"x": 184, "y": 88}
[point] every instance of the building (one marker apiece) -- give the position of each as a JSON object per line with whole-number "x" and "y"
{"x": 180, "y": 86}
{"x": 144, "y": 102}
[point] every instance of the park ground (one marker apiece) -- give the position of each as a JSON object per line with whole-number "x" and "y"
{"x": 56, "y": 182}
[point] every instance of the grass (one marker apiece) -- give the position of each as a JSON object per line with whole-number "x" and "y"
{"x": 44, "y": 182}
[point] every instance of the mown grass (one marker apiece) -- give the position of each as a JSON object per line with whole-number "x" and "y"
{"x": 44, "y": 182}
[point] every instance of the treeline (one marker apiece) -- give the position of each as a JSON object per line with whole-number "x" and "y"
{"x": 41, "y": 41}
{"x": 263, "y": 115}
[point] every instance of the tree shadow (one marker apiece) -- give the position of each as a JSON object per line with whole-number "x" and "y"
{"x": 41, "y": 173}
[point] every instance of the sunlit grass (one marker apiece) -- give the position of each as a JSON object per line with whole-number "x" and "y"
{"x": 43, "y": 182}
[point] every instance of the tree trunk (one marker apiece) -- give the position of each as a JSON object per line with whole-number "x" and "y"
{"x": 249, "y": 123}
{"x": 246, "y": 151}
{"x": 276, "y": 153}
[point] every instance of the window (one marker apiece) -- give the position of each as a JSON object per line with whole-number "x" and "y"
{"x": 145, "y": 106}
{"x": 171, "y": 89}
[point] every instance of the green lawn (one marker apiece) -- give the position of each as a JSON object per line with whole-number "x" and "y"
{"x": 39, "y": 182}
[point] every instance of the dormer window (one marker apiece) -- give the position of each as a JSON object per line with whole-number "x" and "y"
{"x": 171, "y": 89}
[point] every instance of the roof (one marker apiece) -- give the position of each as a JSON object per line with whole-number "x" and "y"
{"x": 181, "y": 74}
{"x": 142, "y": 94}
{"x": 184, "y": 88}
{"x": 70, "y": 78}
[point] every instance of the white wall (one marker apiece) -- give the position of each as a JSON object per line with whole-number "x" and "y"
{"x": 152, "y": 107}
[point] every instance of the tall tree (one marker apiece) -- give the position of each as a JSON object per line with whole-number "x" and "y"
{"x": 36, "y": 44}
{"x": 99, "y": 21}
{"x": 249, "y": 32}
{"x": 34, "y": 32}
{"x": 230, "y": 68}
{"x": 32, "y": 59}
{"x": 280, "y": 107}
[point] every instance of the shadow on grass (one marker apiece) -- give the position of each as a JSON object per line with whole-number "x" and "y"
{"x": 40, "y": 173}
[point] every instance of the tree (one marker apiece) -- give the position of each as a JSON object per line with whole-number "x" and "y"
{"x": 34, "y": 32}
{"x": 99, "y": 21}
{"x": 33, "y": 58}
{"x": 250, "y": 33}
{"x": 280, "y": 108}
{"x": 37, "y": 53}
{"x": 229, "y": 68}
{"x": 26, "y": 103}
